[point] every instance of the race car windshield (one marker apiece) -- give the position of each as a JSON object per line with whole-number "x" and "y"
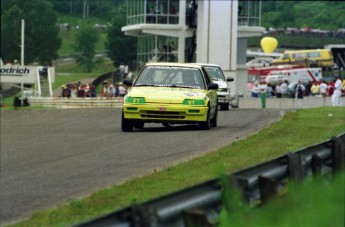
{"x": 164, "y": 76}
{"x": 215, "y": 73}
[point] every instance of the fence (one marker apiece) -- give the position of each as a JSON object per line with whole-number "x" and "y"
{"x": 200, "y": 205}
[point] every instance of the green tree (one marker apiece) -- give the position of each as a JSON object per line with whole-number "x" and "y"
{"x": 120, "y": 48}
{"x": 84, "y": 47}
{"x": 41, "y": 36}
{"x": 325, "y": 15}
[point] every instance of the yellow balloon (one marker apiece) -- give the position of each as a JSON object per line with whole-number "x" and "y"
{"x": 269, "y": 44}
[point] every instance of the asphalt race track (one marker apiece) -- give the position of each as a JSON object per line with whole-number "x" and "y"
{"x": 50, "y": 156}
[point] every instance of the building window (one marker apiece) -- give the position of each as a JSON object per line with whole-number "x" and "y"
{"x": 152, "y": 12}
{"x": 155, "y": 48}
{"x": 249, "y": 13}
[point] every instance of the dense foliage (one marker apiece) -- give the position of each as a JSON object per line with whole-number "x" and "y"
{"x": 41, "y": 38}
{"x": 85, "y": 42}
{"x": 120, "y": 48}
{"x": 326, "y": 15}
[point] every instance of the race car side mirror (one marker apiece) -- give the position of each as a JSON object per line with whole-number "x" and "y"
{"x": 213, "y": 86}
{"x": 229, "y": 79}
{"x": 127, "y": 82}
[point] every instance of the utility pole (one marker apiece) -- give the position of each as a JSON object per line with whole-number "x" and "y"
{"x": 22, "y": 43}
{"x": 22, "y": 59}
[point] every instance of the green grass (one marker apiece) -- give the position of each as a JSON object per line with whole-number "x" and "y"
{"x": 301, "y": 206}
{"x": 103, "y": 65}
{"x": 68, "y": 37}
{"x": 68, "y": 40}
{"x": 296, "y": 130}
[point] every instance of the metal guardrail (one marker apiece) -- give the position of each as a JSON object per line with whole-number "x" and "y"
{"x": 200, "y": 205}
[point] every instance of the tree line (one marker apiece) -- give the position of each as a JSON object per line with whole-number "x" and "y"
{"x": 42, "y": 40}
{"x": 325, "y": 15}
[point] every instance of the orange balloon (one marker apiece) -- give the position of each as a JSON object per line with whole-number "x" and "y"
{"x": 269, "y": 44}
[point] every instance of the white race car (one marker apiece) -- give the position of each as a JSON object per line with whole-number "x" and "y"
{"x": 223, "y": 92}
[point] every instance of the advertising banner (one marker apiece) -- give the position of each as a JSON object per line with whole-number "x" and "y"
{"x": 18, "y": 74}
{"x": 23, "y": 74}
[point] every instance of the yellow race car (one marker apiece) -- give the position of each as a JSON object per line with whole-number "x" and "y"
{"x": 170, "y": 93}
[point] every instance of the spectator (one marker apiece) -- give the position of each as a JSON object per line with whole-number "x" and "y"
{"x": 337, "y": 92}
{"x": 122, "y": 91}
{"x": 269, "y": 90}
{"x": 315, "y": 89}
{"x": 263, "y": 92}
{"x": 323, "y": 88}
{"x": 105, "y": 88}
{"x": 330, "y": 88}
{"x": 308, "y": 88}
{"x": 300, "y": 89}
{"x": 126, "y": 71}
{"x": 87, "y": 90}
{"x": 284, "y": 89}
{"x": 278, "y": 90}
{"x": 110, "y": 90}
{"x": 74, "y": 91}
{"x": 116, "y": 90}
{"x": 92, "y": 91}
{"x": 255, "y": 91}
{"x": 130, "y": 74}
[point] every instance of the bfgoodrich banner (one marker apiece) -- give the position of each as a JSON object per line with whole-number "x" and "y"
{"x": 19, "y": 74}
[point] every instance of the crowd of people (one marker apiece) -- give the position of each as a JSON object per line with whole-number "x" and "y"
{"x": 334, "y": 88}
{"x": 79, "y": 90}
{"x": 110, "y": 90}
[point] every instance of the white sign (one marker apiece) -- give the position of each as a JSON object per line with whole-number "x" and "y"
{"x": 22, "y": 74}
{"x": 18, "y": 74}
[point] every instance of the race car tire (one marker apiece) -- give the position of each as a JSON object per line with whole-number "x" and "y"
{"x": 206, "y": 125}
{"x": 224, "y": 106}
{"x": 214, "y": 120}
{"x": 166, "y": 124}
{"x": 126, "y": 125}
{"x": 138, "y": 124}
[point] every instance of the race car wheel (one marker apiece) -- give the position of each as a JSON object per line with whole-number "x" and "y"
{"x": 214, "y": 120}
{"x": 206, "y": 124}
{"x": 166, "y": 124}
{"x": 138, "y": 124}
{"x": 224, "y": 106}
{"x": 126, "y": 125}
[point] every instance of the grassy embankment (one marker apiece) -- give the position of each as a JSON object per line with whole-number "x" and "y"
{"x": 296, "y": 130}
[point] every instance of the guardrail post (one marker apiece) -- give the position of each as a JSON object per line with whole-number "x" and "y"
{"x": 242, "y": 185}
{"x": 141, "y": 216}
{"x": 316, "y": 165}
{"x": 196, "y": 218}
{"x": 338, "y": 153}
{"x": 295, "y": 167}
{"x": 268, "y": 188}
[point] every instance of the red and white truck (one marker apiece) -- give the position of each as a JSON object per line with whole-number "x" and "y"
{"x": 294, "y": 75}
{"x": 258, "y": 74}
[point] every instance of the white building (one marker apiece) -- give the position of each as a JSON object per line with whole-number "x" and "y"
{"x": 207, "y": 31}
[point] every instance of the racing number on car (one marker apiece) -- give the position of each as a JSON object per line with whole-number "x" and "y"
{"x": 190, "y": 102}
{"x": 136, "y": 100}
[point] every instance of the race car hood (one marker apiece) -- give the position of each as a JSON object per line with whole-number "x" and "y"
{"x": 166, "y": 94}
{"x": 221, "y": 83}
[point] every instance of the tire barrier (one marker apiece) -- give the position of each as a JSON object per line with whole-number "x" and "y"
{"x": 200, "y": 205}
{"x": 109, "y": 75}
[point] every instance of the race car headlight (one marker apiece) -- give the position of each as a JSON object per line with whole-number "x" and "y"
{"x": 136, "y": 100}
{"x": 194, "y": 102}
